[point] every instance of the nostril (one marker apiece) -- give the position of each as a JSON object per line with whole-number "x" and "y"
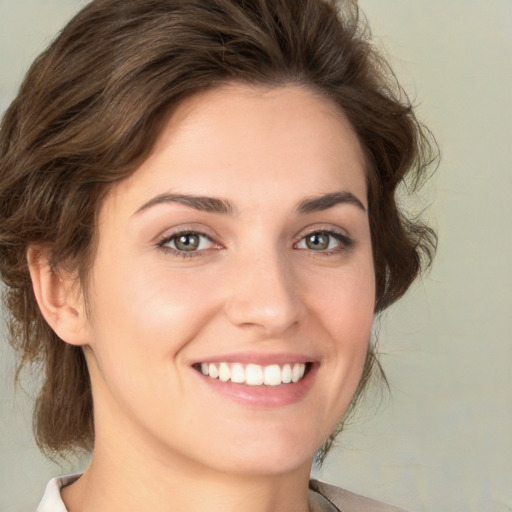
{"x": 273, "y": 313}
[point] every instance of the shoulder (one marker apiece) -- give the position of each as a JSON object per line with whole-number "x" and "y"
{"x": 346, "y": 501}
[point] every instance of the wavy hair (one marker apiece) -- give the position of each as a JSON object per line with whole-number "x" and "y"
{"x": 93, "y": 104}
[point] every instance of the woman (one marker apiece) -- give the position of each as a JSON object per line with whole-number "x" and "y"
{"x": 198, "y": 226}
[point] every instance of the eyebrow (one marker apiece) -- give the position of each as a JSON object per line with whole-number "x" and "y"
{"x": 201, "y": 203}
{"x": 224, "y": 207}
{"x": 317, "y": 204}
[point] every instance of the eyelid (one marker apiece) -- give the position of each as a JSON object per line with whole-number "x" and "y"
{"x": 322, "y": 228}
{"x": 345, "y": 240}
{"x": 169, "y": 236}
{"x": 192, "y": 228}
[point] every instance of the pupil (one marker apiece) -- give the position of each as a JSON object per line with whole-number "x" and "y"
{"x": 318, "y": 241}
{"x": 187, "y": 242}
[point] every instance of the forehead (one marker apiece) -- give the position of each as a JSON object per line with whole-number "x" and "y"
{"x": 249, "y": 142}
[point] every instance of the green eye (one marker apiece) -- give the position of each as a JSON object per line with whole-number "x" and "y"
{"x": 318, "y": 241}
{"x": 326, "y": 242}
{"x": 187, "y": 242}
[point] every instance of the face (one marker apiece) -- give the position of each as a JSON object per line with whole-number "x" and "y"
{"x": 232, "y": 293}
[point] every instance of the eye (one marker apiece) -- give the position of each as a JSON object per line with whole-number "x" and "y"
{"x": 187, "y": 241}
{"x": 321, "y": 241}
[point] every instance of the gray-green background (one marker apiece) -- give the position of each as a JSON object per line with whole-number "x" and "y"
{"x": 443, "y": 440}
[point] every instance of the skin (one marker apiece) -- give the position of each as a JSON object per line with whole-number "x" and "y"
{"x": 165, "y": 439}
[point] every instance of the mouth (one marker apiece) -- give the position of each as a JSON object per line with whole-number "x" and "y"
{"x": 270, "y": 375}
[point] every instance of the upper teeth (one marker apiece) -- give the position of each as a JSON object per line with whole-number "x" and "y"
{"x": 254, "y": 374}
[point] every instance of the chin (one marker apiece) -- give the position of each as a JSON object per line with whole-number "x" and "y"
{"x": 268, "y": 455}
{"x": 267, "y": 464}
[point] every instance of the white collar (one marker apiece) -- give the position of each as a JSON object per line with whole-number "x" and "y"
{"x": 52, "y": 501}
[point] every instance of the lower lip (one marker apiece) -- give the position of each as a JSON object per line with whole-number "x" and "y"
{"x": 263, "y": 396}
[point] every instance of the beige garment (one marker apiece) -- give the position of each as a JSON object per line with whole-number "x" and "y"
{"x": 322, "y": 498}
{"x": 328, "y": 498}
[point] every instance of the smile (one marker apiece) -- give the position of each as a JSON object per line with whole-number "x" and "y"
{"x": 255, "y": 374}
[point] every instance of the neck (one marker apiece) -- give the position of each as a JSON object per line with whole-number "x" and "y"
{"x": 137, "y": 482}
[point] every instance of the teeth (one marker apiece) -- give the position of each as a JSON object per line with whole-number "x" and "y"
{"x": 286, "y": 374}
{"x": 255, "y": 374}
{"x": 224, "y": 372}
{"x": 272, "y": 375}
{"x": 297, "y": 373}
{"x": 213, "y": 371}
{"x": 237, "y": 373}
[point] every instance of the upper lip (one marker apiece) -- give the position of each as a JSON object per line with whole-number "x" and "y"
{"x": 263, "y": 359}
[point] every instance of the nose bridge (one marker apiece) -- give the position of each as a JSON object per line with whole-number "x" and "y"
{"x": 263, "y": 291}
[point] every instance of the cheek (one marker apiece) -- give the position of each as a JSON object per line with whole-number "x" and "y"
{"x": 341, "y": 305}
{"x": 155, "y": 311}
{"x": 140, "y": 324}
{"x": 345, "y": 300}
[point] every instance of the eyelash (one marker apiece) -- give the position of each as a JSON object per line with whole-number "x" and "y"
{"x": 345, "y": 243}
{"x": 162, "y": 244}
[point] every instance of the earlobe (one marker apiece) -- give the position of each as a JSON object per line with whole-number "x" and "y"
{"x": 58, "y": 296}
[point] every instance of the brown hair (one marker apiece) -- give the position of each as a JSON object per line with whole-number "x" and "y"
{"x": 93, "y": 104}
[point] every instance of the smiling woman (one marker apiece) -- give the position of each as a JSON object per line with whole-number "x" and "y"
{"x": 240, "y": 292}
{"x": 198, "y": 226}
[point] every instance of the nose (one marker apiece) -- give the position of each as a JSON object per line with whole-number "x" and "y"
{"x": 263, "y": 294}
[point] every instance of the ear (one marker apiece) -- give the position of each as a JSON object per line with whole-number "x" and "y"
{"x": 59, "y": 297}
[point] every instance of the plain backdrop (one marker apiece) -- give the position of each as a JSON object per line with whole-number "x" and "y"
{"x": 442, "y": 440}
